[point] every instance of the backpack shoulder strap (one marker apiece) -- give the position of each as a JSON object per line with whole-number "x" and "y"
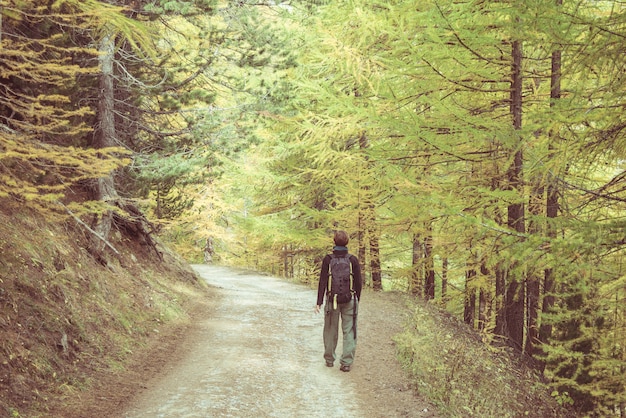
{"x": 330, "y": 279}
{"x": 349, "y": 256}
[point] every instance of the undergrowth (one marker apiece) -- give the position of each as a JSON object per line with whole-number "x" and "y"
{"x": 465, "y": 377}
{"x": 65, "y": 316}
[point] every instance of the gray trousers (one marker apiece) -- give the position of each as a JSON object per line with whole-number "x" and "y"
{"x": 347, "y": 313}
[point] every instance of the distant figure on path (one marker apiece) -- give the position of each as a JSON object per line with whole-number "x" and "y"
{"x": 340, "y": 281}
{"x": 208, "y": 251}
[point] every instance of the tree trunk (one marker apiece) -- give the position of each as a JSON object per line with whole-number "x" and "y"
{"x": 532, "y": 302}
{"x": 500, "y": 301}
{"x": 361, "y": 237}
{"x": 535, "y": 207}
{"x": 286, "y": 261}
{"x": 106, "y": 104}
{"x": 552, "y": 203}
{"x": 470, "y": 298}
{"x": 482, "y": 309}
{"x": 444, "y": 280}
{"x": 105, "y": 190}
{"x": 157, "y": 210}
{"x": 515, "y": 293}
{"x": 415, "y": 283}
{"x": 483, "y": 301}
{"x": 429, "y": 265}
{"x": 363, "y": 218}
{"x": 377, "y": 283}
{"x": 128, "y": 218}
{"x": 545, "y": 330}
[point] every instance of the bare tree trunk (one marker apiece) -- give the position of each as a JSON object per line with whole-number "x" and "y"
{"x": 470, "y": 298}
{"x": 105, "y": 190}
{"x": 106, "y": 135}
{"x": 515, "y": 292}
{"x": 429, "y": 265}
{"x": 415, "y": 284}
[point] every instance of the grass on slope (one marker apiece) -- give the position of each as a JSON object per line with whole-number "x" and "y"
{"x": 466, "y": 377}
{"x": 65, "y": 317}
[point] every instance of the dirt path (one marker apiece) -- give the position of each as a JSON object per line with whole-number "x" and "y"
{"x": 256, "y": 351}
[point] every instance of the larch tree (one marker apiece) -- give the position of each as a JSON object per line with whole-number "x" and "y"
{"x": 43, "y": 128}
{"x": 484, "y": 145}
{"x": 500, "y": 201}
{"x": 586, "y": 137}
{"x": 123, "y": 112}
{"x": 323, "y": 153}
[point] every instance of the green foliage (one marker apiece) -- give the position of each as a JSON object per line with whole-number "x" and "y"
{"x": 42, "y": 152}
{"x": 165, "y": 180}
{"x": 399, "y": 120}
{"x": 40, "y": 174}
{"x": 215, "y": 66}
{"x": 391, "y": 120}
{"x": 189, "y": 8}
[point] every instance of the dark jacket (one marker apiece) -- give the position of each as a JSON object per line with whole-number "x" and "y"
{"x": 357, "y": 282}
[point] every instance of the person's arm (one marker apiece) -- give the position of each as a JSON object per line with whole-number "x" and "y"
{"x": 323, "y": 283}
{"x": 357, "y": 281}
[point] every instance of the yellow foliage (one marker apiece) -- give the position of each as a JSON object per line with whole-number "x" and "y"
{"x": 36, "y": 167}
{"x": 40, "y": 174}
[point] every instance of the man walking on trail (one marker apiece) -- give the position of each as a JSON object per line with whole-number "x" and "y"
{"x": 340, "y": 281}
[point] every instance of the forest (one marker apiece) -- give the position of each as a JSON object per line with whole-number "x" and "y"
{"x": 474, "y": 150}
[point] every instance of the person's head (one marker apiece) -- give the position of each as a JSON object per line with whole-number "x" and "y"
{"x": 341, "y": 238}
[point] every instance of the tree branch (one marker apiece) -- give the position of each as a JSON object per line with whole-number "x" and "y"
{"x": 88, "y": 228}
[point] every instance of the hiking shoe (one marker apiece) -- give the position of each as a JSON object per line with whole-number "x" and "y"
{"x": 329, "y": 364}
{"x": 344, "y": 368}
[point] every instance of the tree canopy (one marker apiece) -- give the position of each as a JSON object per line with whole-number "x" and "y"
{"x": 474, "y": 150}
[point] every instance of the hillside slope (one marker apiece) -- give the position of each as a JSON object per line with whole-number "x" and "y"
{"x": 66, "y": 319}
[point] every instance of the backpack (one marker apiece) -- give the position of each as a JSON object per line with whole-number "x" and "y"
{"x": 340, "y": 283}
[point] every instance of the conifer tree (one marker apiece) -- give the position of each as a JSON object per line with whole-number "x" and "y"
{"x": 43, "y": 153}
{"x": 439, "y": 95}
{"x": 450, "y": 178}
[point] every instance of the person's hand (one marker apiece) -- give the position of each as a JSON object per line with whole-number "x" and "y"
{"x": 317, "y": 308}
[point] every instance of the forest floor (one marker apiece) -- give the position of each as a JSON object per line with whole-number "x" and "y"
{"x": 253, "y": 347}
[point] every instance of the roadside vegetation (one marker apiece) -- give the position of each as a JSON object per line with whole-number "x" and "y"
{"x": 66, "y": 320}
{"x": 464, "y": 375}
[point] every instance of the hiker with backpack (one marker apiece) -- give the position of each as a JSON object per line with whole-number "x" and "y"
{"x": 340, "y": 281}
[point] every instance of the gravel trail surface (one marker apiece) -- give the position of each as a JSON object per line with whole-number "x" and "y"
{"x": 260, "y": 356}
{"x": 258, "y": 353}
